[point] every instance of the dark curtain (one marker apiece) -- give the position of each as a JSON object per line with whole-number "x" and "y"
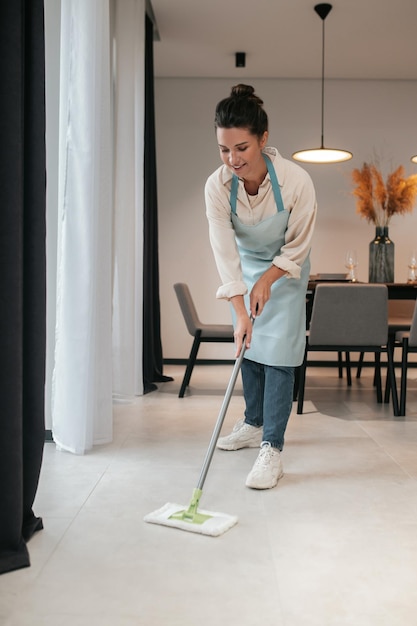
{"x": 152, "y": 346}
{"x": 23, "y": 274}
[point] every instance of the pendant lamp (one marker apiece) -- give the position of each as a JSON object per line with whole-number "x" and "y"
{"x": 414, "y": 158}
{"x": 322, "y": 154}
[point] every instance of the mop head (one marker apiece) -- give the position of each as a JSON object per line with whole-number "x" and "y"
{"x": 203, "y": 522}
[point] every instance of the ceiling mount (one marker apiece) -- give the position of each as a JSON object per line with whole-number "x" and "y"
{"x": 240, "y": 59}
{"x": 323, "y": 9}
{"x": 322, "y": 154}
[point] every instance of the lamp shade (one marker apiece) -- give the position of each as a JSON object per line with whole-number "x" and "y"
{"x": 322, "y": 155}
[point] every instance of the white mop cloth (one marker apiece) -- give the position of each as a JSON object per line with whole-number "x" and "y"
{"x": 216, "y": 525}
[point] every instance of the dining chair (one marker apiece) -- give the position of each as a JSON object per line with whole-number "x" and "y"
{"x": 202, "y": 333}
{"x": 400, "y": 314}
{"x": 408, "y": 342}
{"x": 350, "y": 317}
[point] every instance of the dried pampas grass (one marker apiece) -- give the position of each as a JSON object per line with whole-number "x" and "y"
{"x": 377, "y": 201}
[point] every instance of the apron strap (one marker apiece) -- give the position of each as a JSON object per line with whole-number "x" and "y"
{"x": 274, "y": 182}
{"x": 233, "y": 193}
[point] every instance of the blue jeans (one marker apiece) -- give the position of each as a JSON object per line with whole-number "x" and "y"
{"x": 268, "y": 393}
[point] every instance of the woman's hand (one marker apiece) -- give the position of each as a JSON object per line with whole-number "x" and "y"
{"x": 243, "y": 332}
{"x": 243, "y": 327}
{"x": 261, "y": 291}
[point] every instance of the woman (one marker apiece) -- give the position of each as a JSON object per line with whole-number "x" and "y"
{"x": 261, "y": 211}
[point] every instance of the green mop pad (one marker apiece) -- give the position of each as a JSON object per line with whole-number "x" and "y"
{"x": 213, "y": 524}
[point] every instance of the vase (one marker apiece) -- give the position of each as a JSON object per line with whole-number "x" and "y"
{"x": 381, "y": 257}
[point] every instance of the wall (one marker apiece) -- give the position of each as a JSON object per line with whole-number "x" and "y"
{"x": 365, "y": 117}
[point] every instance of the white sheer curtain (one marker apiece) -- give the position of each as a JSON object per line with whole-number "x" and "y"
{"x": 88, "y": 165}
{"x": 129, "y": 113}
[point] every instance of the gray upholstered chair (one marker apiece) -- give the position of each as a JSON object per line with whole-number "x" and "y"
{"x": 202, "y": 333}
{"x": 408, "y": 342}
{"x": 350, "y": 317}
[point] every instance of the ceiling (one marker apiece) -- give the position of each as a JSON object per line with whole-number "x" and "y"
{"x": 364, "y": 39}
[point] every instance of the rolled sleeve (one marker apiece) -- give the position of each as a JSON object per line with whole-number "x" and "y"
{"x": 231, "y": 289}
{"x": 292, "y": 269}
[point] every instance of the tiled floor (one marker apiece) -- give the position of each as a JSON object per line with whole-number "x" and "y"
{"x": 334, "y": 544}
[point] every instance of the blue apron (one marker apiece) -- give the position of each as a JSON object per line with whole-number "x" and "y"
{"x": 279, "y": 332}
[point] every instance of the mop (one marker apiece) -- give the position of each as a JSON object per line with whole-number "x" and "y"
{"x": 192, "y": 519}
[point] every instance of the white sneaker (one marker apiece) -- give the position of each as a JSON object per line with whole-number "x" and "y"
{"x": 267, "y": 469}
{"x": 242, "y": 436}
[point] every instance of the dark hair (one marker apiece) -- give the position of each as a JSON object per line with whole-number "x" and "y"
{"x": 242, "y": 109}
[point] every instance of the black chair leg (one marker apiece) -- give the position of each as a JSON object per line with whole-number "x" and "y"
{"x": 348, "y": 369}
{"x": 190, "y": 365}
{"x": 392, "y": 381}
{"x": 359, "y": 370}
{"x": 301, "y": 385}
{"x": 403, "y": 392}
{"x": 388, "y": 383}
{"x": 296, "y": 383}
{"x": 387, "y": 394}
{"x": 340, "y": 364}
{"x": 377, "y": 377}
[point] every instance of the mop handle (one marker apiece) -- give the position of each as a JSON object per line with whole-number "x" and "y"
{"x": 222, "y": 413}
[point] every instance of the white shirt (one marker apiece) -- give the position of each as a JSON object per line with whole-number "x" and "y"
{"x": 299, "y": 198}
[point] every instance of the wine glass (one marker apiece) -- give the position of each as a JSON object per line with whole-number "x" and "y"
{"x": 412, "y": 267}
{"x": 351, "y": 262}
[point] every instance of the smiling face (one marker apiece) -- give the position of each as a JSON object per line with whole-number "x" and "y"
{"x": 242, "y": 152}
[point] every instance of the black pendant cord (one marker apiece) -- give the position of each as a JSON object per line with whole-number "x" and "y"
{"x": 323, "y": 11}
{"x": 322, "y": 89}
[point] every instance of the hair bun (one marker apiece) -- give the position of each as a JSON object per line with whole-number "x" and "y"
{"x": 245, "y": 91}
